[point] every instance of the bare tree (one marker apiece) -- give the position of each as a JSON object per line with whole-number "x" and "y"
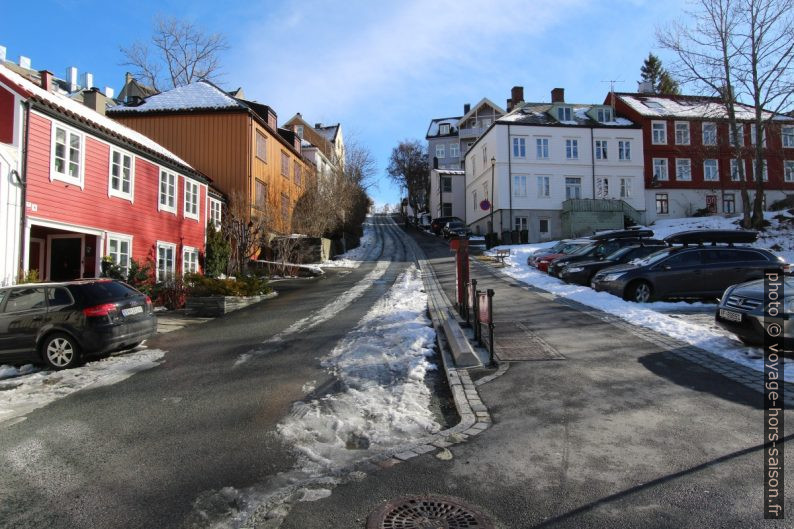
{"x": 246, "y": 228}
{"x": 739, "y": 50}
{"x": 179, "y": 53}
{"x": 408, "y": 167}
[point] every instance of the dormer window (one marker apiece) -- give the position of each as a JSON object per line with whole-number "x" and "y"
{"x": 564, "y": 113}
{"x": 444, "y": 129}
{"x": 604, "y": 115}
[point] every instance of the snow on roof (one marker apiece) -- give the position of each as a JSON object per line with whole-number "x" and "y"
{"x": 449, "y": 171}
{"x": 539, "y": 114}
{"x": 199, "y": 95}
{"x": 435, "y": 125}
{"x": 686, "y": 107}
{"x": 328, "y": 132}
{"x": 69, "y": 106}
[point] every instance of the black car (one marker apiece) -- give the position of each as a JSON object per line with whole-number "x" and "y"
{"x": 741, "y": 311}
{"x": 60, "y": 324}
{"x": 582, "y": 272}
{"x": 455, "y": 229}
{"x": 437, "y": 224}
{"x": 705, "y": 264}
{"x": 603, "y": 244}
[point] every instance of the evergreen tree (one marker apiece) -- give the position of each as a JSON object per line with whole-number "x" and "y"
{"x": 667, "y": 85}
{"x": 218, "y": 252}
{"x": 653, "y": 72}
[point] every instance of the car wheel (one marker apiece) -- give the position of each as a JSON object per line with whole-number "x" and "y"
{"x": 60, "y": 351}
{"x": 639, "y": 292}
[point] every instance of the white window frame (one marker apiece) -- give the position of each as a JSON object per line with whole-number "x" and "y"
{"x": 444, "y": 187}
{"x": 706, "y": 171}
{"x": 787, "y": 136}
{"x": 443, "y": 129}
{"x": 732, "y": 202}
{"x": 571, "y": 149}
{"x": 602, "y": 187}
{"x": 119, "y": 238}
{"x": 544, "y": 186}
{"x": 681, "y": 129}
{"x": 603, "y": 113}
{"x": 712, "y": 137}
{"x": 686, "y": 174}
{"x": 519, "y": 185}
{"x": 454, "y": 150}
{"x": 764, "y": 171}
{"x": 735, "y": 176}
{"x": 520, "y": 223}
{"x": 542, "y": 148}
{"x": 752, "y": 135}
{"x": 474, "y": 199}
{"x": 564, "y": 113}
{"x": 117, "y": 192}
{"x": 189, "y": 251}
{"x": 190, "y": 187}
{"x": 625, "y": 188}
{"x": 624, "y": 150}
{"x": 601, "y": 150}
{"x": 739, "y": 126}
{"x": 216, "y": 213}
{"x": 167, "y": 246}
{"x": 573, "y": 185}
{"x": 663, "y": 163}
{"x": 659, "y": 136}
{"x": 440, "y": 151}
{"x": 165, "y": 207}
{"x": 788, "y": 170}
{"x": 65, "y": 177}
{"x": 519, "y": 147}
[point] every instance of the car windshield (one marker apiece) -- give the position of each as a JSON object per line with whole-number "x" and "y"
{"x": 100, "y": 291}
{"x": 572, "y": 248}
{"x": 582, "y": 250}
{"x": 653, "y": 258}
{"x": 455, "y": 224}
{"x": 617, "y": 254}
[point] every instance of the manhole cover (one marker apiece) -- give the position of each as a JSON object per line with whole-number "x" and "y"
{"x": 427, "y": 512}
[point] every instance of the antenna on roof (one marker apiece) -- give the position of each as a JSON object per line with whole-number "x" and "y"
{"x": 612, "y": 92}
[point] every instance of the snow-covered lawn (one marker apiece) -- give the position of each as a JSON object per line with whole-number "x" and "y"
{"x": 385, "y": 402}
{"x": 24, "y": 389}
{"x": 665, "y": 317}
{"x": 363, "y": 252}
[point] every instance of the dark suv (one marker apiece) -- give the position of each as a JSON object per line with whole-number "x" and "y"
{"x": 603, "y": 244}
{"x": 702, "y": 268}
{"x": 60, "y": 324}
{"x": 581, "y": 273}
{"x": 437, "y": 224}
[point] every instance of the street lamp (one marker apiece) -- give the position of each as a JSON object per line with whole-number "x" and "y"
{"x": 493, "y": 166}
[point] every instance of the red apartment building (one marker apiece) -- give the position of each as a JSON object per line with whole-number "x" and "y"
{"x": 93, "y": 187}
{"x": 690, "y": 162}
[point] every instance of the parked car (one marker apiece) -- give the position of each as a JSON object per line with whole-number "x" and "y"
{"x": 437, "y": 225}
{"x": 582, "y": 272}
{"x": 61, "y": 324}
{"x": 556, "y": 248}
{"x": 602, "y": 245}
{"x": 456, "y": 229}
{"x": 689, "y": 271}
{"x": 542, "y": 261}
{"x": 741, "y": 311}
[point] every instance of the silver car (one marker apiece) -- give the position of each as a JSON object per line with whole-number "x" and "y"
{"x": 741, "y": 311}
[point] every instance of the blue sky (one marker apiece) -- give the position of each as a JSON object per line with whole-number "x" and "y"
{"x": 382, "y": 69}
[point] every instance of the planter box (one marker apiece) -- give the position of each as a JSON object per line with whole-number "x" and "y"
{"x": 219, "y": 305}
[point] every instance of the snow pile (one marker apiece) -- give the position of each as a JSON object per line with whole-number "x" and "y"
{"x": 382, "y": 365}
{"x": 30, "y": 389}
{"x": 363, "y": 252}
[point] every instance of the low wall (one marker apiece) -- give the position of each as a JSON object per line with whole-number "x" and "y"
{"x": 212, "y": 306}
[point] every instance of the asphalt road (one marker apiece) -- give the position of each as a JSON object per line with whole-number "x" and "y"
{"x": 139, "y": 453}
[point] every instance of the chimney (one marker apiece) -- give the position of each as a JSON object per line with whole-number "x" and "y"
{"x": 517, "y": 95}
{"x": 466, "y": 108}
{"x": 24, "y": 62}
{"x": 2, "y": 53}
{"x": 296, "y": 142}
{"x": 109, "y": 92}
{"x": 46, "y": 80}
{"x": 318, "y": 125}
{"x": 558, "y": 95}
{"x": 645, "y": 87}
{"x": 88, "y": 80}
{"x": 71, "y": 78}
{"x": 95, "y": 100}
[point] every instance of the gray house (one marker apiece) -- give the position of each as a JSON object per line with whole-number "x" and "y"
{"x": 443, "y": 144}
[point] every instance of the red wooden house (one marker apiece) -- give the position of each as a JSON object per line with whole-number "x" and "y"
{"x": 93, "y": 187}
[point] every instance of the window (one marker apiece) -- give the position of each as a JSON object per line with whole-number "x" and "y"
{"x": 297, "y": 172}
{"x": 764, "y": 173}
{"x": 446, "y": 209}
{"x": 167, "y": 191}
{"x": 735, "y": 176}
{"x": 682, "y": 133}
{"x": 22, "y": 299}
{"x": 543, "y": 186}
{"x": 710, "y": 170}
{"x": 624, "y": 150}
{"x": 440, "y": 151}
{"x": 520, "y": 223}
{"x": 261, "y": 146}
{"x": 121, "y": 174}
{"x": 519, "y": 185}
{"x": 443, "y": 129}
{"x": 67, "y": 156}
{"x": 729, "y": 203}
{"x": 189, "y": 260}
{"x": 683, "y": 169}
{"x": 165, "y": 261}
{"x": 661, "y": 204}
{"x": 601, "y": 149}
{"x": 604, "y": 114}
{"x": 284, "y": 207}
{"x": 261, "y": 195}
{"x": 484, "y": 155}
{"x": 659, "y": 132}
{"x": 57, "y": 297}
{"x": 284, "y": 164}
{"x": 602, "y": 187}
{"x": 191, "y": 199}
{"x": 564, "y": 113}
{"x": 753, "y": 135}
{"x": 660, "y": 169}
{"x": 572, "y": 149}
{"x": 519, "y": 148}
{"x": 625, "y": 188}
{"x": 299, "y": 131}
{"x": 120, "y": 250}
{"x": 787, "y": 134}
{"x": 738, "y": 136}
{"x": 709, "y": 134}
{"x": 788, "y": 171}
{"x": 215, "y": 213}
{"x": 454, "y": 150}
{"x": 486, "y": 123}
{"x": 573, "y": 187}
{"x": 446, "y": 185}
{"x": 474, "y": 200}
{"x": 543, "y": 227}
{"x": 542, "y": 148}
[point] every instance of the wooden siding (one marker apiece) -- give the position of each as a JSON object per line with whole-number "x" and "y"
{"x": 92, "y": 207}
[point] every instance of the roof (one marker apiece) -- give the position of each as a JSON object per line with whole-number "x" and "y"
{"x": 80, "y": 112}
{"x": 200, "y": 95}
{"x": 449, "y": 171}
{"x": 538, "y": 114}
{"x": 329, "y": 132}
{"x": 655, "y": 106}
{"x": 435, "y": 125}
{"x": 483, "y": 101}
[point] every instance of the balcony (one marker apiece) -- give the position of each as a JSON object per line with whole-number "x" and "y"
{"x": 473, "y": 132}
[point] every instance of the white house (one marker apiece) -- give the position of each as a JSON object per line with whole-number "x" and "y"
{"x": 447, "y": 193}
{"x": 11, "y": 200}
{"x": 530, "y": 167}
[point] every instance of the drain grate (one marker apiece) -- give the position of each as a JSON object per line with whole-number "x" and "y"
{"x": 516, "y": 341}
{"x": 427, "y": 512}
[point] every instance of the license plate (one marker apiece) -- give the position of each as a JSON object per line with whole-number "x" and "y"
{"x": 132, "y": 310}
{"x": 730, "y": 315}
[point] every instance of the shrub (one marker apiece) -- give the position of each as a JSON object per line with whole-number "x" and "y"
{"x": 201, "y": 286}
{"x": 218, "y": 252}
{"x": 111, "y": 269}
{"x": 31, "y": 276}
{"x": 141, "y": 277}
{"x": 171, "y": 294}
